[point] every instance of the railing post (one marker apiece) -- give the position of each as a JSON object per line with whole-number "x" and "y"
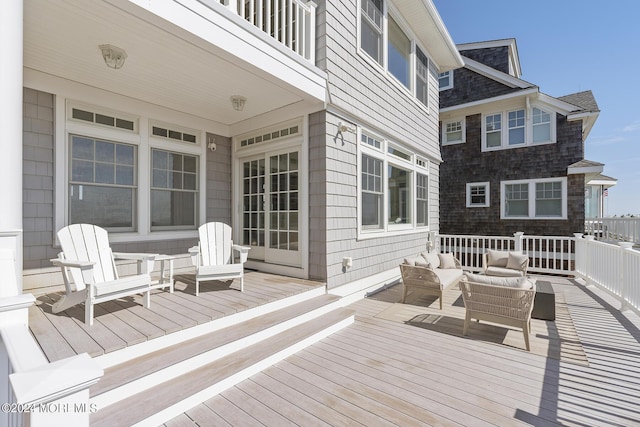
{"x": 310, "y": 36}
{"x": 517, "y": 245}
{"x": 579, "y": 253}
{"x": 624, "y": 246}
{"x": 587, "y": 259}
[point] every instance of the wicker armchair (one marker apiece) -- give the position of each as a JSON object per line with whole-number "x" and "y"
{"x": 508, "y": 306}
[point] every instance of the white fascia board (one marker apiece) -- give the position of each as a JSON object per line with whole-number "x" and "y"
{"x": 427, "y": 25}
{"x": 560, "y": 106}
{"x": 605, "y": 183}
{"x": 492, "y": 73}
{"x": 486, "y": 101}
{"x": 215, "y": 28}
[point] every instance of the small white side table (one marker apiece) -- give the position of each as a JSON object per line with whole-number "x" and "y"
{"x": 166, "y": 273}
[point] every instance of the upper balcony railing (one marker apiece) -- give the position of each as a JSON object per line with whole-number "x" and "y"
{"x": 291, "y": 22}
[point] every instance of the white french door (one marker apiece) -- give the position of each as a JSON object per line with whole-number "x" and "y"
{"x": 271, "y": 207}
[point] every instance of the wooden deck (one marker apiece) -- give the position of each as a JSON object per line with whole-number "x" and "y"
{"x": 381, "y": 372}
{"x": 125, "y": 322}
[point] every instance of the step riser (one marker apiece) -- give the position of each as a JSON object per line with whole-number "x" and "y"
{"x": 121, "y": 356}
{"x": 186, "y": 404}
{"x": 125, "y": 391}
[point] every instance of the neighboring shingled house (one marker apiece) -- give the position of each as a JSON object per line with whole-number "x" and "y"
{"x": 513, "y": 156}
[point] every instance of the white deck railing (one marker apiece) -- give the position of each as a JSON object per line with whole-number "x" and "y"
{"x": 291, "y": 22}
{"x": 547, "y": 254}
{"x": 614, "y": 268}
{"x": 616, "y": 229}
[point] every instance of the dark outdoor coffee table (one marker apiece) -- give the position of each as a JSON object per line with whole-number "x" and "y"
{"x": 544, "y": 304}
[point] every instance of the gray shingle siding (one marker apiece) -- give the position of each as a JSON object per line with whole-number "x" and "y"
{"x": 37, "y": 175}
{"x": 465, "y": 163}
{"x": 368, "y": 96}
{"x": 469, "y": 86}
{"x": 495, "y": 57}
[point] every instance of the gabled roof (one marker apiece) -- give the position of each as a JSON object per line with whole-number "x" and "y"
{"x": 585, "y": 166}
{"x": 585, "y": 100}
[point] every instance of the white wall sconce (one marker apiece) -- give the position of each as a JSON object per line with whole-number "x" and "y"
{"x": 211, "y": 143}
{"x": 347, "y": 262}
{"x": 238, "y": 102}
{"x": 113, "y": 56}
{"x": 343, "y": 127}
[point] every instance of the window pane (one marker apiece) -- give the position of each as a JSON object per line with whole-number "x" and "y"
{"x": 549, "y": 199}
{"x": 493, "y": 126}
{"x": 371, "y": 192}
{"x": 173, "y": 208}
{"x": 517, "y": 200}
{"x": 516, "y": 127}
{"x": 399, "y": 194}
{"x": 422, "y": 77}
{"x": 371, "y": 29}
{"x": 109, "y": 204}
{"x": 399, "y": 53}
{"x": 444, "y": 79}
{"x": 109, "y": 207}
{"x": 541, "y": 126}
{"x": 422, "y": 202}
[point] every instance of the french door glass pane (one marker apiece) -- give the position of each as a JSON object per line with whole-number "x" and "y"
{"x": 253, "y": 180}
{"x": 283, "y": 195}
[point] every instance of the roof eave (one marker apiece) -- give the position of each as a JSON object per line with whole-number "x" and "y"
{"x": 424, "y": 19}
{"x": 517, "y": 94}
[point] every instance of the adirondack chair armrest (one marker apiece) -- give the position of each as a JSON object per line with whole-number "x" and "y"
{"x": 70, "y": 263}
{"x": 145, "y": 261}
{"x": 243, "y": 251}
{"x": 194, "y": 253}
{"x": 134, "y": 256}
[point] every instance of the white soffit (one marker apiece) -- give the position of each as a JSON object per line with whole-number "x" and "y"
{"x": 426, "y": 23}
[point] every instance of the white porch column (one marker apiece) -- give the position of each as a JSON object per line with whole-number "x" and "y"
{"x": 11, "y": 23}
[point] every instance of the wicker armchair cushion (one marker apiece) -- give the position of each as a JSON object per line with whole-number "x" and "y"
{"x": 432, "y": 258}
{"x": 497, "y": 258}
{"x": 509, "y": 282}
{"x": 413, "y": 260}
{"x": 447, "y": 261}
{"x": 517, "y": 261}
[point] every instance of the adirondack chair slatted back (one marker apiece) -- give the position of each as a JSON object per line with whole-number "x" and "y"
{"x": 86, "y": 242}
{"x": 215, "y": 244}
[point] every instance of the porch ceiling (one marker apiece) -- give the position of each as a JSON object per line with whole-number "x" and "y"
{"x": 165, "y": 66}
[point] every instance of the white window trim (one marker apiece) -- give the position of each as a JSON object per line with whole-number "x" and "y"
{"x": 463, "y": 124}
{"x": 412, "y": 166}
{"x": 532, "y": 198}
{"x": 528, "y": 126}
{"x": 388, "y": 8}
{"x": 487, "y": 187}
{"x": 450, "y": 85}
{"x": 145, "y": 142}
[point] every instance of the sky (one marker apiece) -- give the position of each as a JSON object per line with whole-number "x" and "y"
{"x": 568, "y": 46}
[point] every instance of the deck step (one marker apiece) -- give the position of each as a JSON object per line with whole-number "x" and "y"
{"x": 167, "y": 399}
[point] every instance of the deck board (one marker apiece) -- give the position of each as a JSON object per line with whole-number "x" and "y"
{"x": 461, "y": 380}
{"x": 125, "y": 322}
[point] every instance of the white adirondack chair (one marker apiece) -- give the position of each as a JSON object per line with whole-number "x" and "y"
{"x": 214, "y": 256}
{"x": 89, "y": 270}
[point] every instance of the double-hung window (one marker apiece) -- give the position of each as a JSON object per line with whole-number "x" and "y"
{"x": 534, "y": 199}
{"x": 128, "y": 181}
{"x": 174, "y": 190}
{"x": 524, "y": 126}
{"x": 453, "y": 132}
{"x": 371, "y": 28}
{"x": 445, "y": 80}
{"x": 103, "y": 183}
{"x": 394, "y": 187}
{"x": 386, "y": 40}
